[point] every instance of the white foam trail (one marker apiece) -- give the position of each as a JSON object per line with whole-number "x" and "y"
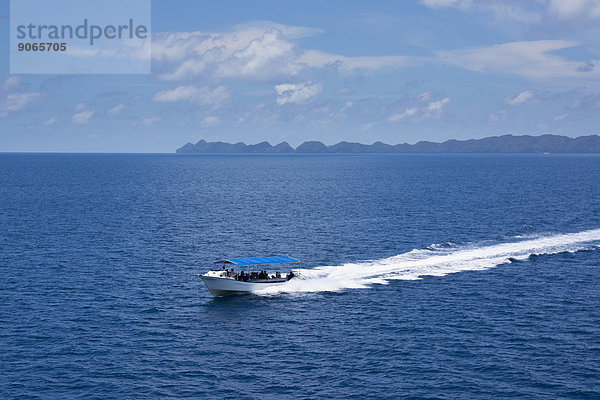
{"x": 435, "y": 260}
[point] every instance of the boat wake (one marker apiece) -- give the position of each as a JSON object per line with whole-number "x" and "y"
{"x": 435, "y": 260}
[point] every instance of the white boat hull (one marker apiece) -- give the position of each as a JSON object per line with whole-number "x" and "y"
{"x": 218, "y": 286}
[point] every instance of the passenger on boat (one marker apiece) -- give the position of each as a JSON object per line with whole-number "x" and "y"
{"x": 290, "y": 275}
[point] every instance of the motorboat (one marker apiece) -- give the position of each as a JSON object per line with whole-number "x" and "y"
{"x": 223, "y": 280}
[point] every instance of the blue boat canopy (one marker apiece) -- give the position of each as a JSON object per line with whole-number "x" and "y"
{"x": 259, "y": 260}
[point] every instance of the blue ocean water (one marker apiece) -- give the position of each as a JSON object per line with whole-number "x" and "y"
{"x": 423, "y": 276}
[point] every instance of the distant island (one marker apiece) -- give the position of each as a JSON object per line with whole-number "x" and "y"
{"x": 494, "y": 144}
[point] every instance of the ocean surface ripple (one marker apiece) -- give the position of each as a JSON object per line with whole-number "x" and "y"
{"x": 422, "y": 276}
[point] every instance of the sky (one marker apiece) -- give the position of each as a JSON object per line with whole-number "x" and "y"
{"x": 390, "y": 71}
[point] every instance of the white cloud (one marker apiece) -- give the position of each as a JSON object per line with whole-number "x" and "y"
{"x": 180, "y": 93}
{"x": 18, "y": 101}
{"x": 525, "y": 11}
{"x": 588, "y": 103}
{"x": 569, "y": 9}
{"x": 289, "y": 31}
{"x": 366, "y": 126}
{"x": 349, "y": 65}
{"x": 345, "y": 91}
{"x": 10, "y": 82}
{"x": 513, "y": 9}
{"x": 531, "y": 59}
{"x": 410, "y": 112}
{"x": 498, "y": 116}
{"x": 115, "y": 110}
{"x": 447, "y": 3}
{"x": 211, "y": 121}
{"x": 200, "y": 96}
{"x": 249, "y": 52}
{"x": 80, "y": 106}
{"x": 297, "y": 93}
{"x": 437, "y": 106}
{"x": 134, "y": 50}
{"x": 561, "y": 117}
{"x": 147, "y": 121}
{"x": 341, "y": 113}
{"x": 50, "y": 121}
{"x": 178, "y": 46}
{"x": 425, "y": 96}
{"x": 258, "y": 51}
{"x": 263, "y": 50}
{"x": 269, "y": 52}
{"x": 83, "y": 117}
{"x": 270, "y": 55}
{"x": 525, "y": 97}
{"x": 432, "y": 110}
